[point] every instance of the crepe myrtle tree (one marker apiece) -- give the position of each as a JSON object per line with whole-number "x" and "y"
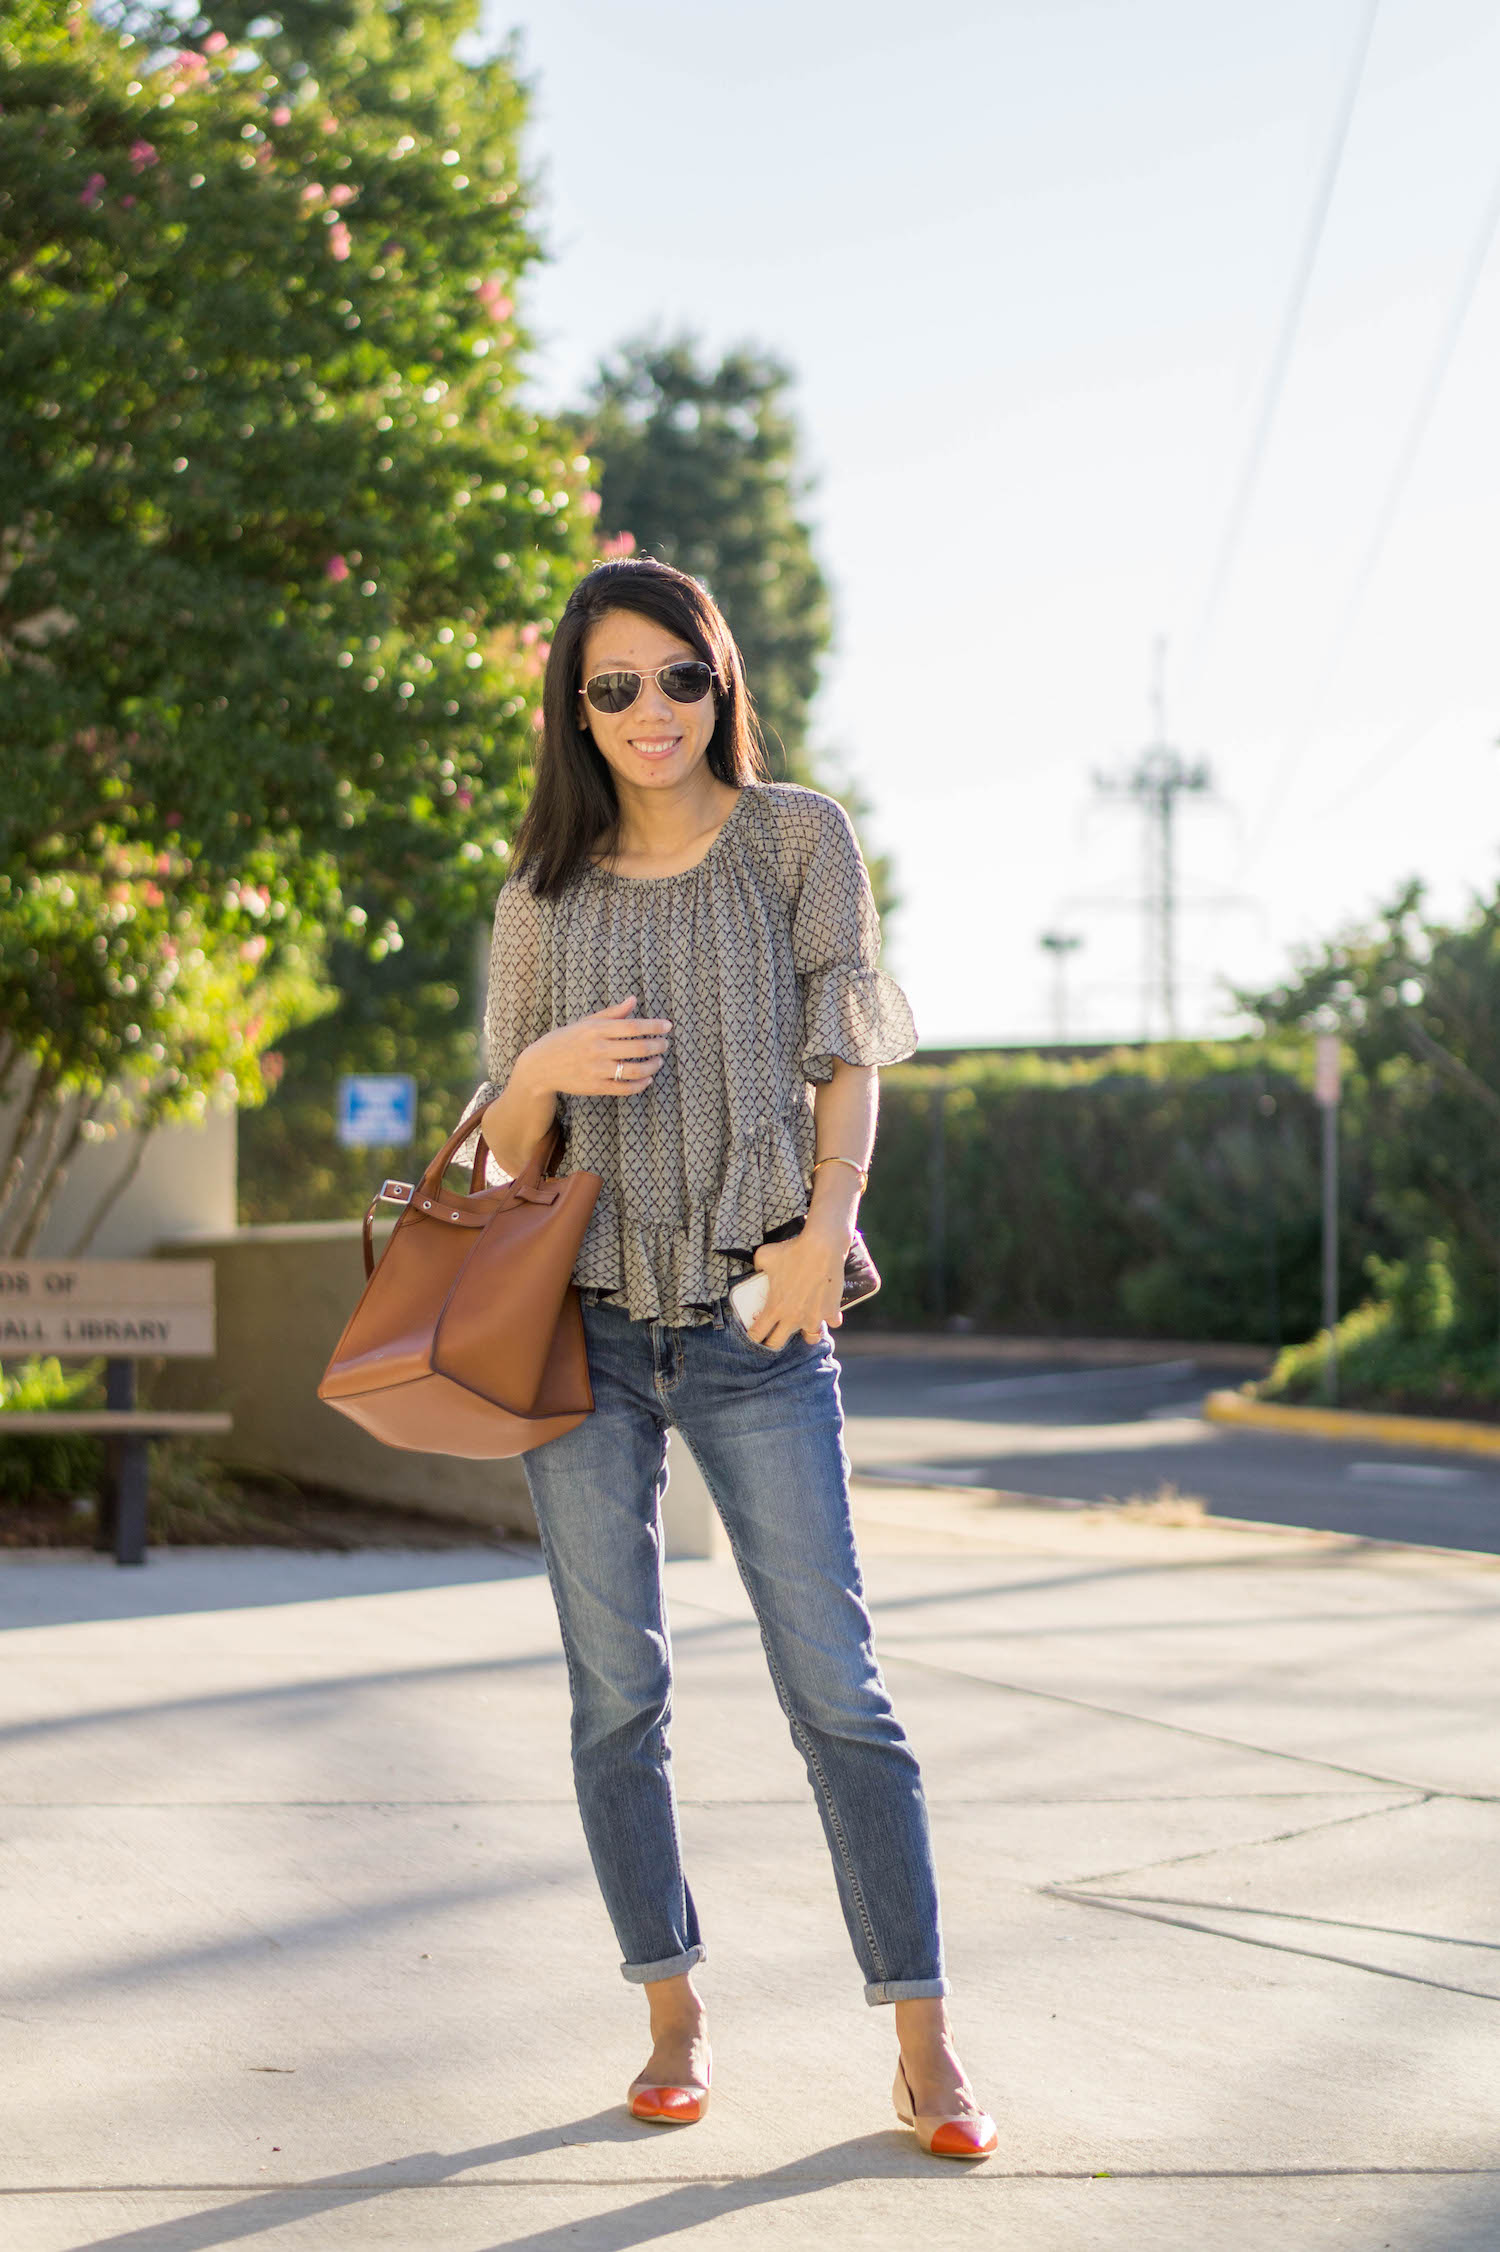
{"x": 280, "y": 543}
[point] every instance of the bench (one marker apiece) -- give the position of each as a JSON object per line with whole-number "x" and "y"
{"x": 77, "y": 1308}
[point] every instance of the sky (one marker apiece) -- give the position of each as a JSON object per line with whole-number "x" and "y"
{"x": 1034, "y": 265}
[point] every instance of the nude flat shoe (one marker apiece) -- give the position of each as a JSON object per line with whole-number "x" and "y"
{"x": 966, "y": 2135}
{"x": 662, "y": 2105}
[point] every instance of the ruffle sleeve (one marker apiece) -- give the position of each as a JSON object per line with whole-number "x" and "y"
{"x": 851, "y": 1009}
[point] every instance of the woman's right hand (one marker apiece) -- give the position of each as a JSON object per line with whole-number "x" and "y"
{"x": 611, "y": 1052}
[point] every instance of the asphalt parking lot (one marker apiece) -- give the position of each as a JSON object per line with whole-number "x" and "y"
{"x": 1062, "y": 1430}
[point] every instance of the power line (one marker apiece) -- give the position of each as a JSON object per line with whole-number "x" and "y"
{"x": 1401, "y": 739}
{"x": 1395, "y": 493}
{"x": 1281, "y": 358}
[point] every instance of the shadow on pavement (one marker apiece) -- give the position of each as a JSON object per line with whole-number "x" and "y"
{"x": 684, "y": 2205}
{"x": 61, "y": 1587}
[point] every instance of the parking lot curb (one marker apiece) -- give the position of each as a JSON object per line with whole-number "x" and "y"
{"x": 1422, "y": 1431}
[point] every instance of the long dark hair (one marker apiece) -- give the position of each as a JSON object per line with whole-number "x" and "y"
{"x": 574, "y": 804}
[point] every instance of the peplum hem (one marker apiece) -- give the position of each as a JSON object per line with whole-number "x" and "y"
{"x": 859, "y": 1015}
{"x": 676, "y": 1273}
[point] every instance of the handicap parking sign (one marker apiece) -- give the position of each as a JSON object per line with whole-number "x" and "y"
{"x": 377, "y": 1109}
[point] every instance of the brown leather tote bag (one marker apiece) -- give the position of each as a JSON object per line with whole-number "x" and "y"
{"x": 469, "y": 1336}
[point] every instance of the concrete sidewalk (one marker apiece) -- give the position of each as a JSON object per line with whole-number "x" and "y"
{"x": 301, "y": 1947}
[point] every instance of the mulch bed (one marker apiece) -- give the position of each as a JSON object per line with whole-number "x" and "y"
{"x": 271, "y": 1517}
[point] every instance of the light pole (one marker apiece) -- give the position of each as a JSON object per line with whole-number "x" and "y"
{"x": 1059, "y": 944}
{"x": 1326, "y": 1076}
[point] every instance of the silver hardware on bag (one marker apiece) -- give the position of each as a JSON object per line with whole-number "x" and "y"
{"x": 398, "y": 1192}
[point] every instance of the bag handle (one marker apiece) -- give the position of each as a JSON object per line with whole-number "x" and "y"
{"x": 536, "y": 1169}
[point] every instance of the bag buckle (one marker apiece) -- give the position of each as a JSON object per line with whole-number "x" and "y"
{"x": 397, "y": 1192}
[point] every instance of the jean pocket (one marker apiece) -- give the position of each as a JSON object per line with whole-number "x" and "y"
{"x": 736, "y": 1327}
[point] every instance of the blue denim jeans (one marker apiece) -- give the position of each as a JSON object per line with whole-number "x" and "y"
{"x": 767, "y": 1432}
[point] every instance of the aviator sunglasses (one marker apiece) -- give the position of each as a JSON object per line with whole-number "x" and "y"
{"x": 686, "y": 683}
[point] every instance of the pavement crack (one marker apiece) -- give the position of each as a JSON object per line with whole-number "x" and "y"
{"x": 1299, "y": 1916}
{"x": 893, "y": 1654}
{"x": 1276, "y": 1837}
{"x": 359, "y": 2186}
{"x": 1124, "y": 1904}
{"x": 1405, "y": 1783}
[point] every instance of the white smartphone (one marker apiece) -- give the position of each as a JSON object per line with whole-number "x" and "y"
{"x": 750, "y": 1294}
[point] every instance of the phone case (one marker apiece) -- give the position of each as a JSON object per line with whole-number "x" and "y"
{"x": 861, "y": 1276}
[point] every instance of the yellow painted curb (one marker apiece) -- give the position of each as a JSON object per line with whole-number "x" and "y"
{"x": 1426, "y": 1431}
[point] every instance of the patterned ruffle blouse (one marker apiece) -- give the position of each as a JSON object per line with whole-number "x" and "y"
{"x": 763, "y": 957}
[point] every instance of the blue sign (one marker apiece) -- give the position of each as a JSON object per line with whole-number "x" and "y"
{"x": 377, "y": 1110}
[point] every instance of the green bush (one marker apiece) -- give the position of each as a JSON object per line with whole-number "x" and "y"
{"x": 33, "y": 1463}
{"x": 1170, "y": 1191}
{"x": 1408, "y": 1347}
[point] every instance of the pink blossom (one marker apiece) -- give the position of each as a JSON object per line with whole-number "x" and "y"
{"x": 127, "y": 203}
{"x": 465, "y": 798}
{"x": 153, "y": 895}
{"x": 251, "y": 949}
{"x": 335, "y": 568}
{"x": 343, "y": 193}
{"x": 93, "y": 191}
{"x": 189, "y": 67}
{"x": 340, "y": 241}
{"x": 589, "y": 503}
{"x": 214, "y": 42}
{"x": 142, "y": 154}
{"x": 330, "y": 124}
{"x": 544, "y": 650}
{"x": 494, "y": 300}
{"x": 530, "y": 635}
{"x": 312, "y": 191}
{"x": 281, "y": 115}
{"x": 623, "y": 543}
{"x": 172, "y": 820}
{"x": 536, "y": 719}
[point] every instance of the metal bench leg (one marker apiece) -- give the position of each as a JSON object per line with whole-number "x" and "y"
{"x": 131, "y": 1477}
{"x": 108, "y": 1513}
{"x": 122, "y": 1505}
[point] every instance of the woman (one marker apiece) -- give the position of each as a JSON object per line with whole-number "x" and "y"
{"x": 681, "y": 949}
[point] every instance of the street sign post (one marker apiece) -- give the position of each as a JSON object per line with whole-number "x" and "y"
{"x": 377, "y": 1110}
{"x": 1327, "y": 1066}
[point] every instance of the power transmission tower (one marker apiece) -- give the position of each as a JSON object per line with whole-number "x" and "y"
{"x": 1158, "y": 779}
{"x": 1059, "y": 944}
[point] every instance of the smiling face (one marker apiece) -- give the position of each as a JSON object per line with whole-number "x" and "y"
{"x": 655, "y": 744}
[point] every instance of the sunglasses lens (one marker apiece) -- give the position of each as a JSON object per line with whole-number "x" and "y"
{"x": 688, "y": 683}
{"x": 613, "y": 691}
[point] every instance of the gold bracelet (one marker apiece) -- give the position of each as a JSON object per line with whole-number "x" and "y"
{"x": 864, "y": 1178}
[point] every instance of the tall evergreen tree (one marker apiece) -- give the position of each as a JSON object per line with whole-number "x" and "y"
{"x": 700, "y": 468}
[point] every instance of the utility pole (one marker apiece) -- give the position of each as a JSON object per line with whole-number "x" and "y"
{"x": 1059, "y": 944}
{"x": 1158, "y": 779}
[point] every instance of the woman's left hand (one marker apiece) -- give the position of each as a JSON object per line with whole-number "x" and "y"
{"x": 807, "y": 1281}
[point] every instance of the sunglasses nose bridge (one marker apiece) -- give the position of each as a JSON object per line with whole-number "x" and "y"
{"x": 653, "y": 699}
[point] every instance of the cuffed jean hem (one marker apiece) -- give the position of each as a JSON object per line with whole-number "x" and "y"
{"x": 647, "y": 1974}
{"x": 907, "y": 1990}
